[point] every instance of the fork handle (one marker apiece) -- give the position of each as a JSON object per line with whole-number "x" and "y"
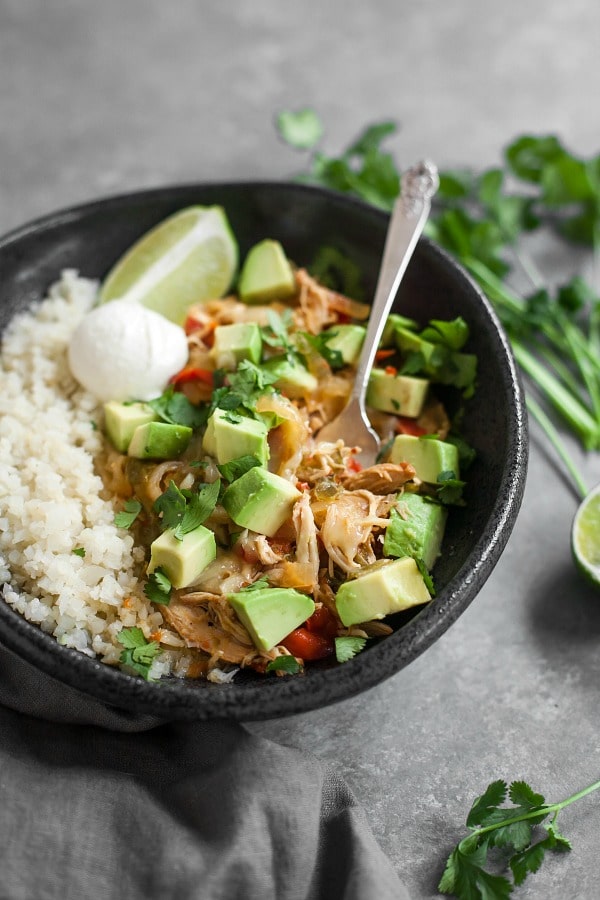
{"x": 407, "y": 221}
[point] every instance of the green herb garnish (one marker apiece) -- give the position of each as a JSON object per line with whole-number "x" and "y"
{"x": 449, "y": 489}
{"x": 301, "y": 129}
{"x": 510, "y": 831}
{"x": 174, "y": 407}
{"x": 79, "y": 551}
{"x": 287, "y": 664}
{"x": 257, "y": 585}
{"x": 235, "y": 468}
{"x": 158, "y": 587}
{"x": 183, "y": 511}
{"x": 320, "y": 343}
{"x": 348, "y": 646}
{"x": 129, "y": 514}
{"x": 139, "y": 654}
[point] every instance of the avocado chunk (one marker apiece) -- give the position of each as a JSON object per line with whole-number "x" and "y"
{"x": 416, "y": 529}
{"x": 266, "y": 274}
{"x": 400, "y": 394}
{"x": 269, "y": 614}
{"x": 386, "y": 589}
{"x": 182, "y": 560}
{"x": 260, "y": 501}
{"x": 292, "y": 378}
{"x": 121, "y": 420}
{"x": 236, "y": 342}
{"x": 229, "y": 435}
{"x": 347, "y": 340}
{"x": 394, "y": 321}
{"x": 429, "y": 456}
{"x": 159, "y": 440}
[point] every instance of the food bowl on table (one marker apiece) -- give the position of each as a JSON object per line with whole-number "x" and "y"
{"x": 91, "y": 237}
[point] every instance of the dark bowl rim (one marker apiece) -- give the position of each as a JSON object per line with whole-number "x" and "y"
{"x": 177, "y": 699}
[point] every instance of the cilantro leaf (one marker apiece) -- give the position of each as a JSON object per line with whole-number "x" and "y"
{"x": 449, "y": 489}
{"x": 257, "y": 585}
{"x": 199, "y": 507}
{"x": 483, "y": 806}
{"x": 287, "y": 664}
{"x": 183, "y": 511}
{"x": 175, "y": 408}
{"x": 170, "y": 506}
{"x": 158, "y": 587}
{"x": 235, "y": 468}
{"x": 139, "y": 654}
{"x": 79, "y": 551}
{"x": 348, "y": 646}
{"x": 320, "y": 343}
{"x": 126, "y": 518}
{"x": 301, "y": 129}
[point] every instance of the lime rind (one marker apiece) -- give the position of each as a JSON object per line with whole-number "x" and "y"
{"x": 585, "y": 537}
{"x": 189, "y": 257}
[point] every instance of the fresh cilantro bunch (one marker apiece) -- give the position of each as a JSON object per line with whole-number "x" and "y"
{"x": 499, "y": 834}
{"x": 484, "y": 219}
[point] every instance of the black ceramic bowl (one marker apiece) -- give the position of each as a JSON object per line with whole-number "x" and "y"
{"x": 91, "y": 237}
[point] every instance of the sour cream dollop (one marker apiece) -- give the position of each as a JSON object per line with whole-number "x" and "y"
{"x": 123, "y": 351}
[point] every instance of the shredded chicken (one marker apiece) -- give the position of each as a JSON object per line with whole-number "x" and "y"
{"x": 348, "y": 526}
{"x": 319, "y": 307}
{"x": 380, "y": 479}
{"x": 322, "y": 460}
{"x": 207, "y": 622}
{"x": 303, "y": 571}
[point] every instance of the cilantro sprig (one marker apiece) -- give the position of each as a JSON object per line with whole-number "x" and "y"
{"x": 139, "y": 654}
{"x": 483, "y": 219}
{"x": 158, "y": 588}
{"x": 183, "y": 511}
{"x": 131, "y": 510}
{"x": 174, "y": 408}
{"x": 509, "y": 830}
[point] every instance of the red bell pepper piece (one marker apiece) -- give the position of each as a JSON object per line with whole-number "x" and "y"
{"x": 306, "y": 645}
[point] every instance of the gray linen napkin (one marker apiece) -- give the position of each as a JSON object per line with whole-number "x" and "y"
{"x": 96, "y": 802}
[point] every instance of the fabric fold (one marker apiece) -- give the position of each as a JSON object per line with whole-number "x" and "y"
{"x": 92, "y": 807}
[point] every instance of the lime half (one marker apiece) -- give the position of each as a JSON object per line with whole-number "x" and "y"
{"x": 585, "y": 537}
{"x": 189, "y": 257}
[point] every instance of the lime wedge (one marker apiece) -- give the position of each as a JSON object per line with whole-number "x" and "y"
{"x": 585, "y": 537}
{"x": 189, "y": 257}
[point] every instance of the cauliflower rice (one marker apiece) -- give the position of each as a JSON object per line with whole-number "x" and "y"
{"x": 64, "y": 565}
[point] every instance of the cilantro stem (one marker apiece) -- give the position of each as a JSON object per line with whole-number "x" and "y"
{"x": 544, "y": 810}
{"x": 538, "y": 413}
{"x": 567, "y": 405}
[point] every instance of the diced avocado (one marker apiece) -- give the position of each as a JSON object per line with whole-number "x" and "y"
{"x": 229, "y": 435}
{"x": 233, "y": 343}
{"x": 347, "y": 340}
{"x": 182, "y": 560}
{"x": 416, "y": 529}
{"x": 293, "y": 379}
{"x": 159, "y": 440}
{"x": 400, "y": 394}
{"x": 269, "y": 614}
{"x": 121, "y": 420}
{"x": 386, "y": 589}
{"x": 440, "y": 364}
{"x": 388, "y": 337}
{"x": 266, "y": 274}
{"x": 260, "y": 501}
{"x": 429, "y": 456}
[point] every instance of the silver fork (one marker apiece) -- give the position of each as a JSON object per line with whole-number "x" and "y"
{"x": 407, "y": 221}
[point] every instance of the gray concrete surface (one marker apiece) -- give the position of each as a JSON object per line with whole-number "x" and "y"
{"x": 96, "y": 98}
